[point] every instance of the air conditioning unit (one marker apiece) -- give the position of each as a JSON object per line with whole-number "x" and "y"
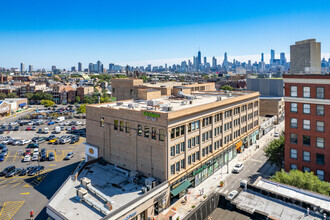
{"x": 170, "y": 108}
{"x": 85, "y": 181}
{"x": 219, "y": 98}
{"x": 144, "y": 190}
{"x": 119, "y": 103}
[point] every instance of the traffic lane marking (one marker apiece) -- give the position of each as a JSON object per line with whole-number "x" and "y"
{"x": 9, "y": 209}
{"x": 27, "y": 193}
{"x": 15, "y": 157}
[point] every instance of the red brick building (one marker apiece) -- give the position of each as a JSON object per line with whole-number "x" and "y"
{"x": 307, "y": 124}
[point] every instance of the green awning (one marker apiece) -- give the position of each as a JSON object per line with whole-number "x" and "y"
{"x": 180, "y": 188}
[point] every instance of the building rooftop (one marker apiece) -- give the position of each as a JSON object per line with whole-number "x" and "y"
{"x": 169, "y": 104}
{"x": 108, "y": 179}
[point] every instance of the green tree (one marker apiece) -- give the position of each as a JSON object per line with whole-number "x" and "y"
{"x": 227, "y": 87}
{"x": 48, "y": 96}
{"x": 12, "y": 95}
{"x": 3, "y": 96}
{"x": 77, "y": 99}
{"x": 38, "y": 96}
{"x": 88, "y": 100}
{"x": 47, "y": 103}
{"x": 107, "y": 99}
{"x": 145, "y": 78}
{"x": 29, "y": 95}
{"x": 306, "y": 180}
{"x": 81, "y": 109}
{"x": 275, "y": 152}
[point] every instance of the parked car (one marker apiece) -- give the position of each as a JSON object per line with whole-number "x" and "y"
{"x": 36, "y": 170}
{"x": 35, "y": 157}
{"x": 30, "y": 123}
{"x": 16, "y": 128}
{"x": 57, "y": 130}
{"x": 14, "y": 172}
{"x": 4, "y": 151}
{"x": 2, "y": 146}
{"x": 62, "y": 128}
{"x": 28, "y": 128}
{"x": 16, "y": 142}
{"x": 2, "y": 131}
{"x": 14, "y": 123}
{"x": 53, "y": 141}
{"x": 74, "y": 139}
{"x": 51, "y": 123}
{"x": 40, "y": 131}
{"x": 7, "y": 141}
{"x": 276, "y": 134}
{"x": 23, "y": 172}
{"x": 51, "y": 156}
{"x": 43, "y": 154}
{"x": 27, "y": 152}
{"x": 7, "y": 170}
{"x": 46, "y": 130}
{"x": 232, "y": 194}
{"x": 2, "y": 157}
{"x": 33, "y": 145}
{"x": 65, "y": 140}
{"x": 69, "y": 156}
{"x": 51, "y": 137}
{"x": 34, "y": 128}
{"x": 22, "y": 142}
{"x": 27, "y": 158}
{"x": 10, "y": 128}
{"x": 238, "y": 168}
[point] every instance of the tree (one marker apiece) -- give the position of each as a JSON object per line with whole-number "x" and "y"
{"x": 145, "y": 78}
{"x": 81, "y": 109}
{"x": 77, "y": 99}
{"x": 275, "y": 152}
{"x": 38, "y": 96}
{"x": 2, "y": 96}
{"x": 29, "y": 95}
{"x": 107, "y": 99}
{"x": 12, "y": 95}
{"x": 227, "y": 87}
{"x": 306, "y": 180}
{"x": 48, "y": 96}
{"x": 88, "y": 99}
{"x": 47, "y": 103}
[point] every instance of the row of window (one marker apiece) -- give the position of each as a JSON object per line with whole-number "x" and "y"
{"x": 206, "y": 121}
{"x": 307, "y": 124}
{"x": 207, "y": 135}
{"x": 228, "y": 138}
{"x": 146, "y": 132}
{"x": 307, "y": 92}
{"x": 227, "y": 126}
{"x": 228, "y": 114}
{"x": 193, "y": 126}
{"x": 307, "y": 108}
{"x": 194, "y": 141}
{"x": 306, "y": 140}
{"x": 177, "y": 132}
{"x": 217, "y": 131}
{"x": 177, "y": 149}
{"x": 206, "y": 150}
{"x": 307, "y": 156}
{"x": 319, "y": 173}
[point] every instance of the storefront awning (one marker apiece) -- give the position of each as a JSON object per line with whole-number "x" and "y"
{"x": 180, "y": 188}
{"x": 22, "y": 105}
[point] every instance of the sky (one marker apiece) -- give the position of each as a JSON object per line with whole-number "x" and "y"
{"x": 63, "y": 33}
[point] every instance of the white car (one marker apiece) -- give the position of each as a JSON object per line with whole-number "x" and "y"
{"x": 22, "y": 142}
{"x": 61, "y": 123}
{"x": 5, "y": 124}
{"x": 79, "y": 123}
{"x": 14, "y": 123}
{"x": 16, "y": 142}
{"x": 30, "y": 123}
{"x": 67, "y": 123}
{"x": 238, "y": 168}
{"x": 35, "y": 151}
{"x": 276, "y": 134}
{"x": 27, "y": 158}
{"x": 35, "y": 157}
{"x": 232, "y": 194}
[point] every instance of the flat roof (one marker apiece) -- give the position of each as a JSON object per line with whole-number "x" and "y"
{"x": 176, "y": 103}
{"x": 106, "y": 178}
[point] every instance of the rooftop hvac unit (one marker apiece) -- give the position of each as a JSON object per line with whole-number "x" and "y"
{"x": 119, "y": 103}
{"x": 81, "y": 192}
{"x": 229, "y": 94}
{"x": 130, "y": 105}
{"x": 152, "y": 102}
{"x": 149, "y": 187}
{"x": 144, "y": 190}
{"x": 154, "y": 184}
{"x": 170, "y": 108}
{"x": 85, "y": 181}
{"x": 190, "y": 102}
{"x": 148, "y": 181}
{"x": 219, "y": 98}
{"x": 183, "y": 103}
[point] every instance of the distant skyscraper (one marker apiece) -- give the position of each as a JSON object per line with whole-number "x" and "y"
{"x": 90, "y": 67}
{"x": 199, "y": 58}
{"x": 305, "y": 57}
{"x": 282, "y": 59}
{"x": 73, "y": 69}
{"x": 22, "y": 67}
{"x": 30, "y": 68}
{"x": 225, "y": 62}
{"x": 262, "y": 57}
{"x": 53, "y": 68}
{"x": 99, "y": 67}
{"x": 111, "y": 67}
{"x": 214, "y": 62}
{"x": 79, "y": 67}
{"x": 205, "y": 61}
{"x": 272, "y": 57}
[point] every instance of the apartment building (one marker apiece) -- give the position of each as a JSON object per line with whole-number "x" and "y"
{"x": 84, "y": 90}
{"x": 181, "y": 139}
{"x": 307, "y": 124}
{"x": 128, "y": 88}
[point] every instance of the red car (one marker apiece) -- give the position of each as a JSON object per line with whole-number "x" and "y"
{"x": 28, "y": 128}
{"x": 73, "y": 128}
{"x": 27, "y": 152}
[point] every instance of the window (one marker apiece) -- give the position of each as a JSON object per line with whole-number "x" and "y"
{"x": 320, "y": 174}
{"x": 182, "y": 146}
{"x": 146, "y": 131}
{"x": 177, "y": 166}
{"x": 189, "y": 159}
{"x": 307, "y": 140}
{"x": 306, "y": 169}
{"x": 102, "y": 122}
{"x": 193, "y": 158}
{"x": 319, "y": 109}
{"x": 307, "y": 92}
{"x": 115, "y": 126}
{"x": 172, "y": 133}
{"x": 172, "y": 169}
{"x": 320, "y": 126}
{"x": 153, "y": 133}
{"x": 197, "y": 155}
{"x": 121, "y": 128}
{"x": 320, "y": 159}
{"x": 293, "y": 154}
{"x": 294, "y": 123}
{"x": 182, "y": 164}
{"x": 203, "y": 152}
{"x": 161, "y": 134}
{"x": 128, "y": 127}
{"x": 139, "y": 130}
{"x": 293, "y": 167}
{"x": 320, "y": 92}
{"x": 293, "y": 138}
{"x": 293, "y": 91}
{"x": 306, "y": 124}
{"x": 307, "y": 109}
{"x": 172, "y": 151}
{"x": 307, "y": 156}
{"x": 320, "y": 142}
{"x": 177, "y": 149}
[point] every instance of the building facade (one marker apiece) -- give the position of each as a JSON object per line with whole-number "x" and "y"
{"x": 266, "y": 87}
{"x": 182, "y": 139}
{"x": 307, "y": 124}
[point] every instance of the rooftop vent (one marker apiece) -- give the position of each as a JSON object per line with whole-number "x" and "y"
{"x": 219, "y": 98}
{"x": 119, "y": 103}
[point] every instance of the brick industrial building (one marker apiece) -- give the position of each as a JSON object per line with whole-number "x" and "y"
{"x": 307, "y": 124}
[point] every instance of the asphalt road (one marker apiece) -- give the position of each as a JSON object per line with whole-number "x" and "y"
{"x": 20, "y": 195}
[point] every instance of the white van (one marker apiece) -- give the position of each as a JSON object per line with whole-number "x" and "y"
{"x": 46, "y": 130}
{"x": 57, "y": 129}
{"x": 60, "y": 119}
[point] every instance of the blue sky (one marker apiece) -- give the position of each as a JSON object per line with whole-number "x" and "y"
{"x": 62, "y": 32}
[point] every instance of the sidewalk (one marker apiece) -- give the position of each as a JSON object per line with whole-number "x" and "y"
{"x": 196, "y": 195}
{"x": 17, "y": 114}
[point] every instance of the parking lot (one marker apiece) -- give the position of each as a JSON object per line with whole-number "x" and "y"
{"x": 21, "y": 194}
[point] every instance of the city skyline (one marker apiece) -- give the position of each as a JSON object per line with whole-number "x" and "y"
{"x": 137, "y": 33}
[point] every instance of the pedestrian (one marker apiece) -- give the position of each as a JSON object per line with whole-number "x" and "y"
{"x": 31, "y": 214}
